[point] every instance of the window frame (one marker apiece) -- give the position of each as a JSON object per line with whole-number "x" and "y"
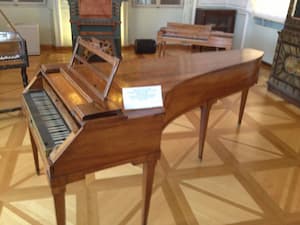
{"x": 19, "y": 2}
{"x": 158, "y": 5}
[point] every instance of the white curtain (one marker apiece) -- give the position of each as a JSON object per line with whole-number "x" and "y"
{"x": 57, "y": 23}
{"x": 62, "y": 26}
{"x": 189, "y": 9}
{"x": 270, "y": 9}
{"x": 124, "y": 23}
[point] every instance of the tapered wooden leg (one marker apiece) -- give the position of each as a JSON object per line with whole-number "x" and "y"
{"x": 159, "y": 49}
{"x": 59, "y": 204}
{"x": 164, "y": 45}
{"x": 205, "y": 109}
{"x": 148, "y": 174}
{"x": 242, "y": 105}
{"x": 35, "y": 154}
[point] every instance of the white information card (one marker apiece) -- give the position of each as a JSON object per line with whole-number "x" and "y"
{"x": 142, "y": 97}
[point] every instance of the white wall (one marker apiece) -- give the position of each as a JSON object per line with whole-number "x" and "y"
{"x": 145, "y": 22}
{"x": 61, "y": 21}
{"x": 29, "y": 14}
{"x": 240, "y": 29}
{"x": 66, "y": 26}
{"x": 262, "y": 38}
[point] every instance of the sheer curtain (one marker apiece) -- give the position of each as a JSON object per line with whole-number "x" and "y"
{"x": 124, "y": 23}
{"x": 62, "y": 26}
{"x": 270, "y": 9}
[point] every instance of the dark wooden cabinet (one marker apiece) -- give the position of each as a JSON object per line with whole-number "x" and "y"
{"x": 284, "y": 79}
{"x": 222, "y": 19}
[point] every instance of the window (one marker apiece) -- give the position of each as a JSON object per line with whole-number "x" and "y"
{"x": 270, "y": 9}
{"x": 158, "y": 3}
{"x": 38, "y": 2}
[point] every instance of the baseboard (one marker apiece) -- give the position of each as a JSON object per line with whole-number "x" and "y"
{"x": 52, "y": 47}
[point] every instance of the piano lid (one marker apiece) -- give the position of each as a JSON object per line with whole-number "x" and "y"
{"x": 10, "y": 47}
{"x": 5, "y": 24}
{"x": 175, "y": 69}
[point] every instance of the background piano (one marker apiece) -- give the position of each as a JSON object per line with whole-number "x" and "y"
{"x": 197, "y": 35}
{"x": 13, "y": 51}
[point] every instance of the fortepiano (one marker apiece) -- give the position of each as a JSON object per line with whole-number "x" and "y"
{"x": 79, "y": 107}
{"x": 13, "y": 52}
{"x": 201, "y": 35}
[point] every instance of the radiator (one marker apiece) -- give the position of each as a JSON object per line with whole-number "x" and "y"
{"x": 30, "y": 32}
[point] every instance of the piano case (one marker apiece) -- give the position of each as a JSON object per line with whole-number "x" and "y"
{"x": 145, "y": 46}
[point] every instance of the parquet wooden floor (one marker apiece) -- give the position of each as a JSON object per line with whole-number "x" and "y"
{"x": 250, "y": 175}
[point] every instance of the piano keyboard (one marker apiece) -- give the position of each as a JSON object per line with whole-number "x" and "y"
{"x": 9, "y": 57}
{"x": 47, "y": 119}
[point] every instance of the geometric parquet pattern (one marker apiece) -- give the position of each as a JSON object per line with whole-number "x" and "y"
{"x": 249, "y": 175}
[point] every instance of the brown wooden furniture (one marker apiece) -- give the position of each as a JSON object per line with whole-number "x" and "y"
{"x": 201, "y": 35}
{"x": 13, "y": 52}
{"x": 92, "y": 8}
{"x": 103, "y": 134}
{"x": 285, "y": 75}
{"x": 220, "y": 19}
{"x": 99, "y": 19}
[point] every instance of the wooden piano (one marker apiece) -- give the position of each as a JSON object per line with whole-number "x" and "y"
{"x": 78, "y": 124}
{"x": 202, "y": 35}
{"x": 13, "y": 52}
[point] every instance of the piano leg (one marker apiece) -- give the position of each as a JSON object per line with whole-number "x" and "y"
{"x": 59, "y": 204}
{"x": 148, "y": 174}
{"x": 35, "y": 154}
{"x": 24, "y": 76}
{"x": 164, "y": 46}
{"x": 242, "y": 106}
{"x": 160, "y": 49}
{"x": 205, "y": 109}
{"x": 25, "y": 83}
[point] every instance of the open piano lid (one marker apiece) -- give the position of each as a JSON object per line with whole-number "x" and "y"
{"x": 9, "y": 39}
